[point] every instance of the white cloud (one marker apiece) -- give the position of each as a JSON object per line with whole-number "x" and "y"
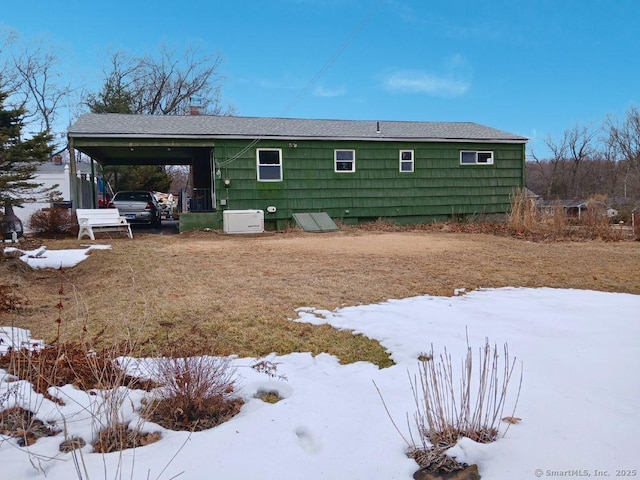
{"x": 451, "y": 79}
{"x": 411, "y": 81}
{"x": 321, "y": 91}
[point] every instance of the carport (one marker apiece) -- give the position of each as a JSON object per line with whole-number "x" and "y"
{"x": 113, "y": 139}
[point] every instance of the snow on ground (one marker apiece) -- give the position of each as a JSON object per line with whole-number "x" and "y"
{"x": 579, "y": 350}
{"x": 43, "y": 258}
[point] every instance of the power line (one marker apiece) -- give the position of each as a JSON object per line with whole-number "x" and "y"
{"x": 339, "y": 51}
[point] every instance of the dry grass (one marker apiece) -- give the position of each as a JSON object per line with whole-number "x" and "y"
{"x": 269, "y": 397}
{"x": 209, "y": 293}
{"x": 120, "y": 437}
{"x": 552, "y": 223}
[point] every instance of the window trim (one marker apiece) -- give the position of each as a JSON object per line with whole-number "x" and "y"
{"x": 412, "y": 161}
{"x": 258, "y": 164}
{"x": 477, "y": 153}
{"x": 335, "y": 160}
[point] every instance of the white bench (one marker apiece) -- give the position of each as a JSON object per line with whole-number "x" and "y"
{"x": 102, "y": 220}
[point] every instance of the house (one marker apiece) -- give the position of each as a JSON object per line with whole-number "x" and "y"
{"x": 356, "y": 171}
{"x": 574, "y": 209}
{"x": 56, "y": 173}
{"x": 570, "y": 208}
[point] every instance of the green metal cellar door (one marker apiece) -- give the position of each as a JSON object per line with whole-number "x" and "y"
{"x": 315, "y": 222}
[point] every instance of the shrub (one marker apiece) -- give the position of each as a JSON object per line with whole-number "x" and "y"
{"x": 444, "y": 413}
{"x": 448, "y": 408}
{"x": 53, "y": 222}
{"x": 196, "y": 393}
{"x": 68, "y": 363}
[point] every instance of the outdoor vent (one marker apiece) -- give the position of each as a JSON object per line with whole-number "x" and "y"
{"x": 243, "y": 221}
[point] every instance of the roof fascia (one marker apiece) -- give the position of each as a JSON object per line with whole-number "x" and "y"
{"x": 295, "y": 138}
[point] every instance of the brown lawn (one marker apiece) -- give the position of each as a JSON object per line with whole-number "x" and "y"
{"x": 206, "y": 292}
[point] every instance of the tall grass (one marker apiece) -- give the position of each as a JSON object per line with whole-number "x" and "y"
{"x": 452, "y": 403}
{"x": 528, "y": 220}
{"x": 596, "y": 221}
{"x": 470, "y": 405}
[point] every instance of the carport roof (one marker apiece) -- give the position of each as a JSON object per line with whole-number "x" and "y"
{"x": 113, "y": 125}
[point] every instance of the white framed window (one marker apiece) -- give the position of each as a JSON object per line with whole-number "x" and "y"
{"x": 269, "y": 164}
{"x": 344, "y": 161}
{"x": 476, "y": 157}
{"x": 406, "y": 161}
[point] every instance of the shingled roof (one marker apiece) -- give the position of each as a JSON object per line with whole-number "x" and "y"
{"x": 219, "y": 127}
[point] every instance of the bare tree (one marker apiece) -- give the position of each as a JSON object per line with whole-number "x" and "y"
{"x": 552, "y": 169}
{"x": 562, "y": 173}
{"x": 580, "y": 147}
{"x": 32, "y": 77}
{"x": 8, "y": 82}
{"x": 610, "y": 169}
{"x": 166, "y": 84}
{"x": 625, "y": 138}
{"x": 38, "y": 73}
{"x": 179, "y": 177}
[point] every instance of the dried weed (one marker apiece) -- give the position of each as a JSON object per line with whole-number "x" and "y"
{"x": 120, "y": 437}
{"x": 21, "y": 424}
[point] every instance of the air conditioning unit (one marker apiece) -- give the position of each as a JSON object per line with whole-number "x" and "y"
{"x": 243, "y": 221}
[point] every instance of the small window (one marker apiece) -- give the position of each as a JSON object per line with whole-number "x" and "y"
{"x": 474, "y": 157}
{"x": 345, "y": 160}
{"x": 269, "y": 164}
{"x": 406, "y": 161}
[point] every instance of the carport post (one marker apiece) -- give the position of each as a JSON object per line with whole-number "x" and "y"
{"x": 73, "y": 178}
{"x": 93, "y": 186}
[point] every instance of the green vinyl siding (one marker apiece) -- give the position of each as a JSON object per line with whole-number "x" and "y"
{"x": 438, "y": 187}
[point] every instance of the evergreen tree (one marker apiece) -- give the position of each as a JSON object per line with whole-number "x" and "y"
{"x": 19, "y": 159}
{"x": 116, "y": 98}
{"x": 139, "y": 177}
{"x": 113, "y": 98}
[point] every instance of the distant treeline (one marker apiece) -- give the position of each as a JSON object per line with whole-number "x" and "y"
{"x": 588, "y": 161}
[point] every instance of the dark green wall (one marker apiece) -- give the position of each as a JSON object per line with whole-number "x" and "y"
{"x": 438, "y": 188}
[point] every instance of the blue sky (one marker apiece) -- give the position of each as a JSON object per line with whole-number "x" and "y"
{"x": 533, "y": 68}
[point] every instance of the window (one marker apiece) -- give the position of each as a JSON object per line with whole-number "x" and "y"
{"x": 269, "y": 164}
{"x": 474, "y": 157}
{"x": 406, "y": 161}
{"x": 345, "y": 160}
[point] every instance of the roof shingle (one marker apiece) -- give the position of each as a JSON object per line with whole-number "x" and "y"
{"x": 209, "y": 126}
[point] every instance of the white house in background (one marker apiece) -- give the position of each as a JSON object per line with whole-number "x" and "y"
{"x": 57, "y": 172}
